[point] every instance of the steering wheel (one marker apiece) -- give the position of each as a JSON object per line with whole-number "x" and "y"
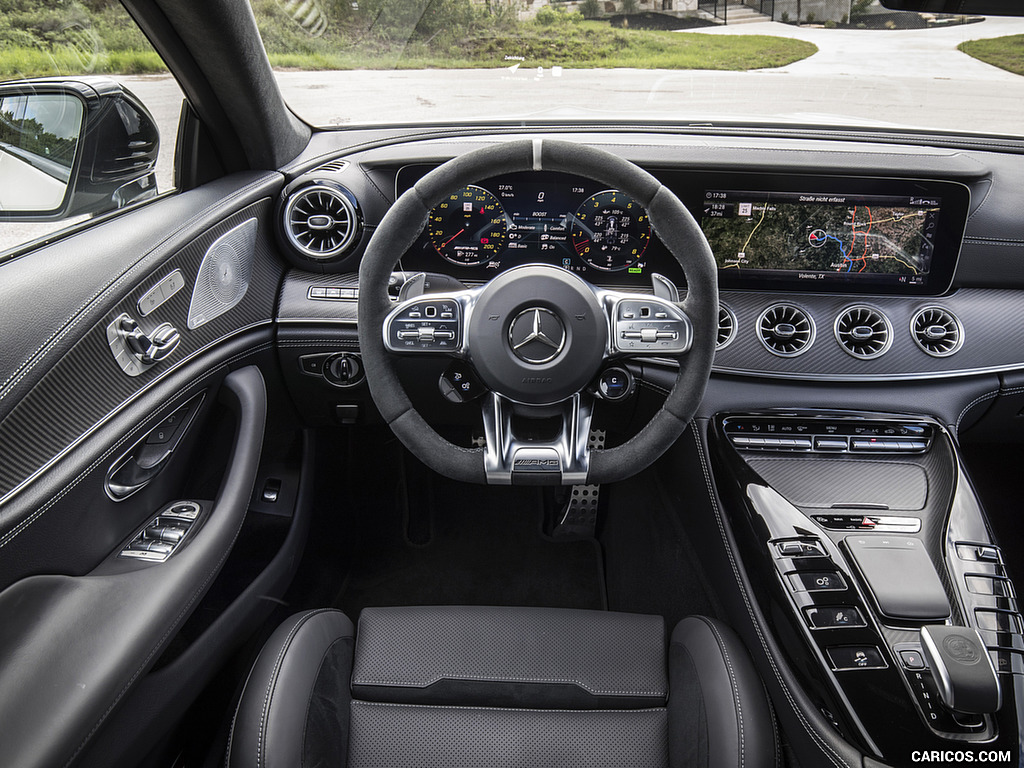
{"x": 537, "y": 335}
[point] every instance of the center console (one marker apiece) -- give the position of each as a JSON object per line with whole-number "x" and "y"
{"x": 878, "y": 573}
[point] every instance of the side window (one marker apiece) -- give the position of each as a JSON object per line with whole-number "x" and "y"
{"x": 88, "y": 117}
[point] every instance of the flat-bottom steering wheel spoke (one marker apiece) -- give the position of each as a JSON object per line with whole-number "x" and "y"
{"x": 563, "y": 459}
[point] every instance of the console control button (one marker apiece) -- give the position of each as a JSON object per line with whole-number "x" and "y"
{"x": 869, "y": 522}
{"x": 834, "y": 616}
{"x": 799, "y": 548}
{"x": 989, "y": 585}
{"x": 313, "y": 365}
{"x": 845, "y": 657}
{"x": 817, "y": 581}
{"x": 997, "y": 621}
{"x": 912, "y": 659}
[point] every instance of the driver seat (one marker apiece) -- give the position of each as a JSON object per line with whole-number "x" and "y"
{"x": 490, "y": 687}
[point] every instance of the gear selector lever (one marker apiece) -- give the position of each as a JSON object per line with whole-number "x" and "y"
{"x": 964, "y": 674}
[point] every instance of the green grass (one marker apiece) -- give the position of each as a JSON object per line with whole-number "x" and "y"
{"x": 1003, "y": 52}
{"x": 20, "y": 62}
{"x": 580, "y": 46}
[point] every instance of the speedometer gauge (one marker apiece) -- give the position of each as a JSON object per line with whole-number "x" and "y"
{"x": 468, "y": 227}
{"x": 610, "y": 231}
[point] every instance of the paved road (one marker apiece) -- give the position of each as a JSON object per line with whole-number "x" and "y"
{"x": 894, "y": 77}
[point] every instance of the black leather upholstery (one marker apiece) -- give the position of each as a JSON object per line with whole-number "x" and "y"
{"x": 502, "y": 688}
{"x": 510, "y": 657}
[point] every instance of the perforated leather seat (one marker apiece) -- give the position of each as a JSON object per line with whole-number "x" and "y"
{"x": 487, "y": 687}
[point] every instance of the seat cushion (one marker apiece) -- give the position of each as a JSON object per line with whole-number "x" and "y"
{"x": 511, "y": 657}
{"x": 422, "y": 736}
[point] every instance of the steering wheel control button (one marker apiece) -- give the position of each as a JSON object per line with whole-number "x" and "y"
{"x": 615, "y": 384}
{"x": 817, "y": 581}
{"x": 834, "y": 617}
{"x": 848, "y": 657}
{"x": 537, "y": 336}
{"x": 426, "y": 324}
{"x": 458, "y": 383}
{"x": 650, "y": 325}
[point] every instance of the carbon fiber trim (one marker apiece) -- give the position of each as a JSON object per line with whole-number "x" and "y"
{"x": 82, "y": 388}
{"x": 297, "y": 306}
{"x": 992, "y": 341}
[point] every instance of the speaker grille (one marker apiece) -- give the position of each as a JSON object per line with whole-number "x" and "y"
{"x": 223, "y": 277}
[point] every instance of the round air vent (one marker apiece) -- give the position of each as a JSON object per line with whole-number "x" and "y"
{"x": 863, "y": 332}
{"x": 726, "y": 327}
{"x": 786, "y": 331}
{"x": 937, "y": 331}
{"x": 321, "y": 220}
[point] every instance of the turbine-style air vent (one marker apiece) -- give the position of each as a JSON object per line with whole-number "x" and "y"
{"x": 321, "y": 220}
{"x": 863, "y": 332}
{"x": 937, "y": 331}
{"x": 785, "y": 330}
{"x": 726, "y": 327}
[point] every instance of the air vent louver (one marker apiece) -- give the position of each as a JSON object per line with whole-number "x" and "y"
{"x": 321, "y": 221}
{"x": 333, "y": 166}
{"x": 937, "y": 331}
{"x": 863, "y": 332}
{"x": 785, "y": 330}
{"x": 726, "y": 327}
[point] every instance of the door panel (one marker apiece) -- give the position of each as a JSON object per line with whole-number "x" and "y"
{"x": 74, "y": 645}
{"x": 79, "y": 626}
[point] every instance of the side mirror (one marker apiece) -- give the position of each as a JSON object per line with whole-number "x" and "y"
{"x": 70, "y": 147}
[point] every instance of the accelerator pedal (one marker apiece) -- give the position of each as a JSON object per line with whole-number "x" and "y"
{"x": 579, "y": 519}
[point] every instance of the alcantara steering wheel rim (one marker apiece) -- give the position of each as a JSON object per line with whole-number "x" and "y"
{"x": 671, "y": 222}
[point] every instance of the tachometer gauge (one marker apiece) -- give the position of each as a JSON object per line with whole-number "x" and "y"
{"x": 469, "y": 227}
{"x": 610, "y": 231}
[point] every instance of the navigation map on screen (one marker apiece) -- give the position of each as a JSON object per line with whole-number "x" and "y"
{"x": 817, "y": 236}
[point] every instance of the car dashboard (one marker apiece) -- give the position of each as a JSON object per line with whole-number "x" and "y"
{"x": 850, "y": 274}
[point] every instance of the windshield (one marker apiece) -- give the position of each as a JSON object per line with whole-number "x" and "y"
{"x": 817, "y": 62}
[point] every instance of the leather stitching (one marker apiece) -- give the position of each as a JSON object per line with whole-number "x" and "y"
{"x": 733, "y": 684}
{"x": 982, "y": 398}
{"x": 508, "y": 679}
{"x": 272, "y": 682}
{"x": 18, "y": 529}
{"x": 834, "y": 757}
{"x": 504, "y": 709}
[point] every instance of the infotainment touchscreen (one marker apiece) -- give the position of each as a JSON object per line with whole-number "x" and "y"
{"x": 821, "y": 238}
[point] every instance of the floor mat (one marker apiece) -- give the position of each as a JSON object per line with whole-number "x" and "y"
{"x": 409, "y": 537}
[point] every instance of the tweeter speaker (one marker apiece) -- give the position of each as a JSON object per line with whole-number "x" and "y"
{"x": 224, "y": 274}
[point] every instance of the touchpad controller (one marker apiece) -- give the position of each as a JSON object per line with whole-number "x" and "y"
{"x": 900, "y": 576}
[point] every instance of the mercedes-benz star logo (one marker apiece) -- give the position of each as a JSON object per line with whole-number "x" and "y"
{"x": 536, "y": 336}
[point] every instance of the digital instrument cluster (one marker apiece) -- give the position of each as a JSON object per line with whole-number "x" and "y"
{"x": 794, "y": 232}
{"x": 539, "y": 217}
